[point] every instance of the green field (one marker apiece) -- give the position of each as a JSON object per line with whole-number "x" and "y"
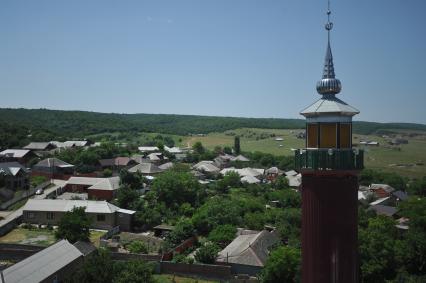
{"x": 165, "y": 278}
{"x": 38, "y": 237}
{"x": 400, "y": 159}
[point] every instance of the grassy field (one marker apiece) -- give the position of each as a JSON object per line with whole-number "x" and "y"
{"x": 401, "y": 159}
{"x": 165, "y": 278}
{"x": 38, "y": 237}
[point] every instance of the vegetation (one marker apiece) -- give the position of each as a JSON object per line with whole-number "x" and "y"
{"x": 100, "y": 268}
{"x": 137, "y": 247}
{"x": 283, "y": 265}
{"x": 207, "y": 253}
{"x": 74, "y": 226}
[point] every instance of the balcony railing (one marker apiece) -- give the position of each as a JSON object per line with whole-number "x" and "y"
{"x": 329, "y": 159}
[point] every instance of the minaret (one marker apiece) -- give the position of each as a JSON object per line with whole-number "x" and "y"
{"x": 329, "y": 167}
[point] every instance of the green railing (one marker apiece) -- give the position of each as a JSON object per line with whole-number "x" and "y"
{"x": 329, "y": 159}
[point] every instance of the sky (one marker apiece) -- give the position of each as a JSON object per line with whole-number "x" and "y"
{"x": 244, "y": 58}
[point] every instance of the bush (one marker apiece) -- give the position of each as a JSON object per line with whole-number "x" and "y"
{"x": 207, "y": 253}
{"x": 137, "y": 247}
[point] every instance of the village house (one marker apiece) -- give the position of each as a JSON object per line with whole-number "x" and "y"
{"x": 248, "y": 252}
{"x": 146, "y": 169}
{"x": 103, "y": 215}
{"x": 117, "y": 163}
{"x": 148, "y": 149}
{"x": 96, "y": 188}
{"x": 53, "y": 168}
{"x": 55, "y": 263}
{"x": 40, "y": 146}
{"x": 207, "y": 167}
{"x": 22, "y": 156}
{"x": 14, "y": 175}
{"x": 381, "y": 190}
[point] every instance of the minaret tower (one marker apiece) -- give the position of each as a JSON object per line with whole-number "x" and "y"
{"x": 329, "y": 167}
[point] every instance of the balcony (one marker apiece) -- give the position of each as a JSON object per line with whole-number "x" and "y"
{"x": 329, "y": 159}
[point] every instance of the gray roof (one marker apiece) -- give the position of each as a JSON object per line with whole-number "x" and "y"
{"x": 249, "y": 249}
{"x": 106, "y": 184}
{"x": 43, "y": 264}
{"x": 84, "y": 247}
{"x": 145, "y": 168}
{"x": 384, "y": 209}
{"x": 53, "y": 162}
{"x": 15, "y": 153}
{"x": 37, "y": 145}
{"x": 250, "y": 180}
{"x": 11, "y": 168}
{"x": 329, "y": 105}
{"x": 401, "y": 195}
{"x": 62, "y": 205}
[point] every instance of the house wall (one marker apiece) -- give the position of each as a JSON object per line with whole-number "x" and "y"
{"x": 20, "y": 181}
{"x": 72, "y": 188}
{"x": 101, "y": 194}
{"x": 41, "y": 217}
{"x": 124, "y": 221}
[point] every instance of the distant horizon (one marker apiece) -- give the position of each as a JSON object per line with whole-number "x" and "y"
{"x": 203, "y": 115}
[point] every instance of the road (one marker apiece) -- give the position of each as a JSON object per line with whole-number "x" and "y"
{"x": 17, "y": 213}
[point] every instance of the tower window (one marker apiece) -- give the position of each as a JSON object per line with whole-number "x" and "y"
{"x": 312, "y": 138}
{"x": 328, "y": 135}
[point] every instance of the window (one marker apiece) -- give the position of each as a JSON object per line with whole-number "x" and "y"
{"x": 312, "y": 135}
{"x": 50, "y": 215}
{"x": 30, "y": 215}
{"x": 328, "y": 135}
{"x": 100, "y": 217}
{"x": 345, "y": 135}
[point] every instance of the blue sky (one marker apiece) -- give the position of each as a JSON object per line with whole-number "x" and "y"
{"x": 220, "y": 57}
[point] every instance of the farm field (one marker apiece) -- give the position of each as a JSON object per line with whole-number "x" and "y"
{"x": 405, "y": 159}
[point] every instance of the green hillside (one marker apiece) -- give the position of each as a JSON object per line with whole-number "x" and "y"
{"x": 44, "y": 124}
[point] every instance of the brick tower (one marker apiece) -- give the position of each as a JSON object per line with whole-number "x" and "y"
{"x": 329, "y": 167}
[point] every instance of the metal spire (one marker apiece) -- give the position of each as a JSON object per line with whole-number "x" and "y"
{"x": 329, "y": 85}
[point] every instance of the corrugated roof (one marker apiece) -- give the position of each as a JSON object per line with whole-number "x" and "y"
{"x": 37, "y": 145}
{"x": 249, "y": 249}
{"x": 12, "y": 168}
{"x": 15, "y": 153}
{"x": 50, "y": 162}
{"x": 146, "y": 168}
{"x": 250, "y": 180}
{"x": 43, "y": 264}
{"x": 107, "y": 184}
{"x": 62, "y": 205}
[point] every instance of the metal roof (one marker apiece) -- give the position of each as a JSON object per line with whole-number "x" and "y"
{"x": 146, "y": 168}
{"x": 249, "y": 249}
{"x": 107, "y": 184}
{"x": 61, "y": 205}
{"x": 329, "y": 105}
{"x": 43, "y": 264}
{"x": 53, "y": 162}
{"x": 37, "y": 145}
{"x": 250, "y": 180}
{"x": 16, "y": 153}
{"x": 12, "y": 168}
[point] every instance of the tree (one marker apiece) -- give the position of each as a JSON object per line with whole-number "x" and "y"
{"x": 198, "y": 147}
{"x": 377, "y": 250}
{"x": 74, "y": 226}
{"x": 133, "y": 180}
{"x": 126, "y": 196}
{"x": 182, "y": 231}
{"x": 412, "y": 249}
{"x": 107, "y": 172}
{"x": 216, "y": 211}
{"x": 175, "y": 188}
{"x": 207, "y": 253}
{"x": 237, "y": 146}
{"x": 418, "y": 187}
{"x": 222, "y": 235}
{"x": 283, "y": 265}
{"x": 134, "y": 271}
{"x": 98, "y": 268}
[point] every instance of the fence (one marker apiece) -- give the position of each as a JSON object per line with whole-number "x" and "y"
{"x": 131, "y": 256}
{"x": 16, "y": 252}
{"x": 202, "y": 270}
{"x": 180, "y": 248}
{"x": 26, "y": 194}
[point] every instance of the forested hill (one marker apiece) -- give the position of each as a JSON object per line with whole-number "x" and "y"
{"x": 68, "y": 124}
